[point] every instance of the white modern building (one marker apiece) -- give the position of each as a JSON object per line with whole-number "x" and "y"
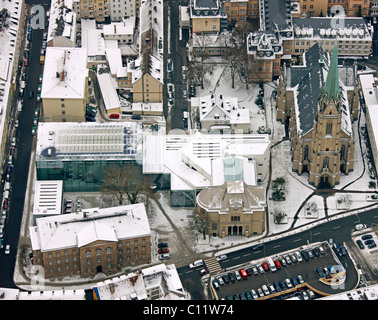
{"x": 370, "y": 96}
{"x": 188, "y": 160}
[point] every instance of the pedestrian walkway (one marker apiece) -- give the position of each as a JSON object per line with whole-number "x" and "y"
{"x": 212, "y": 264}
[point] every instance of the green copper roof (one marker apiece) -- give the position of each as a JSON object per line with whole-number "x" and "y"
{"x": 331, "y": 86}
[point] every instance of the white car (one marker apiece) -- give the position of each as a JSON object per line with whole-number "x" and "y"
{"x": 221, "y": 258}
{"x": 7, "y": 249}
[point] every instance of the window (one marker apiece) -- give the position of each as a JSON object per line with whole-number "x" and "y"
{"x": 108, "y": 250}
{"x": 305, "y": 157}
{"x": 235, "y": 218}
{"x": 329, "y": 128}
{"x": 325, "y": 162}
{"x": 342, "y": 152}
{"x": 98, "y": 252}
{"x": 88, "y": 253}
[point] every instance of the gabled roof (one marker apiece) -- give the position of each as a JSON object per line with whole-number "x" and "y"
{"x": 93, "y": 232}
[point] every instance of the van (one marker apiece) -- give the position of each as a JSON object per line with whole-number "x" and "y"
{"x": 271, "y": 264}
{"x": 42, "y": 59}
{"x": 196, "y": 264}
{"x": 6, "y": 194}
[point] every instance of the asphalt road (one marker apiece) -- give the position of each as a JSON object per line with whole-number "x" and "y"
{"x": 21, "y": 163}
{"x": 178, "y": 56}
{"x": 339, "y": 229}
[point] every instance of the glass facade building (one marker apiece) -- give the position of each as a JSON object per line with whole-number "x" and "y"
{"x": 79, "y": 153}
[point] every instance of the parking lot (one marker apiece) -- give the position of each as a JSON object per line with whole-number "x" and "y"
{"x": 306, "y": 269}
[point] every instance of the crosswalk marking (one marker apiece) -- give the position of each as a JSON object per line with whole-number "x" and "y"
{"x": 212, "y": 264}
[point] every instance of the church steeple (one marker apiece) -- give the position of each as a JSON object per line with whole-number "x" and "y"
{"x": 331, "y": 87}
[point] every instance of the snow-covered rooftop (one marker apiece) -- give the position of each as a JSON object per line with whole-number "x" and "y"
{"x": 48, "y": 197}
{"x": 65, "y": 73}
{"x": 108, "y": 91}
{"x": 62, "y": 20}
{"x": 82, "y": 228}
{"x": 86, "y": 140}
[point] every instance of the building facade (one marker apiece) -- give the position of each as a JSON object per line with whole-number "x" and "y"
{"x": 64, "y": 91}
{"x": 94, "y": 9}
{"x": 234, "y": 206}
{"x": 91, "y": 242}
{"x": 240, "y": 10}
{"x": 207, "y": 16}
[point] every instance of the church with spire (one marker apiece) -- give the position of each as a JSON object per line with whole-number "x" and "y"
{"x": 318, "y": 110}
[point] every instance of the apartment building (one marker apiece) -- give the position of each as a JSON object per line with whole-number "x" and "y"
{"x": 64, "y": 91}
{"x": 358, "y": 8}
{"x": 312, "y": 8}
{"x": 147, "y": 69}
{"x": 353, "y": 37}
{"x": 92, "y": 241}
{"x": 95, "y": 9}
{"x": 240, "y": 10}
{"x": 120, "y": 9}
{"x": 62, "y": 25}
{"x": 207, "y": 16}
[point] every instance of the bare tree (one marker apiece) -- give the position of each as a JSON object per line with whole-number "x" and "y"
{"x": 125, "y": 182}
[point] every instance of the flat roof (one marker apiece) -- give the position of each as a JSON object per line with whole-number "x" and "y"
{"x": 48, "y": 197}
{"x": 88, "y": 140}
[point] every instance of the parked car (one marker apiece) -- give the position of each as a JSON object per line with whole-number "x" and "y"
{"x": 237, "y": 275}
{"x": 164, "y": 256}
{"x": 163, "y": 250}
{"x": 277, "y": 286}
{"x": 372, "y": 245}
{"x": 293, "y": 257}
{"x": 265, "y": 266}
{"x": 288, "y": 260}
{"x": 40, "y": 78}
{"x": 249, "y": 271}
{"x": 254, "y": 294}
{"x": 231, "y": 277}
{"x": 278, "y": 264}
{"x": 300, "y": 279}
{"x": 342, "y": 251}
{"x": 26, "y": 62}
{"x": 288, "y": 283}
{"x": 7, "y": 249}
{"x": 305, "y": 255}
{"x": 283, "y": 285}
{"x": 366, "y": 237}
{"x": 136, "y": 117}
{"x": 321, "y": 250}
{"x": 319, "y": 272}
{"x": 294, "y": 281}
{"x": 370, "y": 241}
{"x": 261, "y": 269}
{"x": 225, "y": 279}
{"x": 260, "y": 292}
{"x": 310, "y": 254}
{"x": 305, "y": 296}
{"x": 283, "y": 262}
{"x": 311, "y": 294}
{"x": 316, "y": 252}
{"x": 243, "y": 273}
{"x": 219, "y": 279}
{"x": 215, "y": 284}
{"x": 248, "y": 295}
{"x": 271, "y": 288}
{"x": 114, "y": 116}
{"x": 360, "y": 244}
{"x": 5, "y": 204}
{"x": 38, "y": 97}
{"x": 162, "y": 244}
{"x": 265, "y": 290}
{"x": 13, "y": 141}
{"x": 255, "y": 271}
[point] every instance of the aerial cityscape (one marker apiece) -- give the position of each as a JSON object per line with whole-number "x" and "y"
{"x": 189, "y": 150}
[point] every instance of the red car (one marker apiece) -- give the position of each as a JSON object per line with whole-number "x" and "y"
{"x": 114, "y": 116}
{"x": 265, "y": 266}
{"x": 5, "y": 204}
{"x": 163, "y": 250}
{"x": 26, "y": 62}
{"x": 243, "y": 273}
{"x": 277, "y": 263}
